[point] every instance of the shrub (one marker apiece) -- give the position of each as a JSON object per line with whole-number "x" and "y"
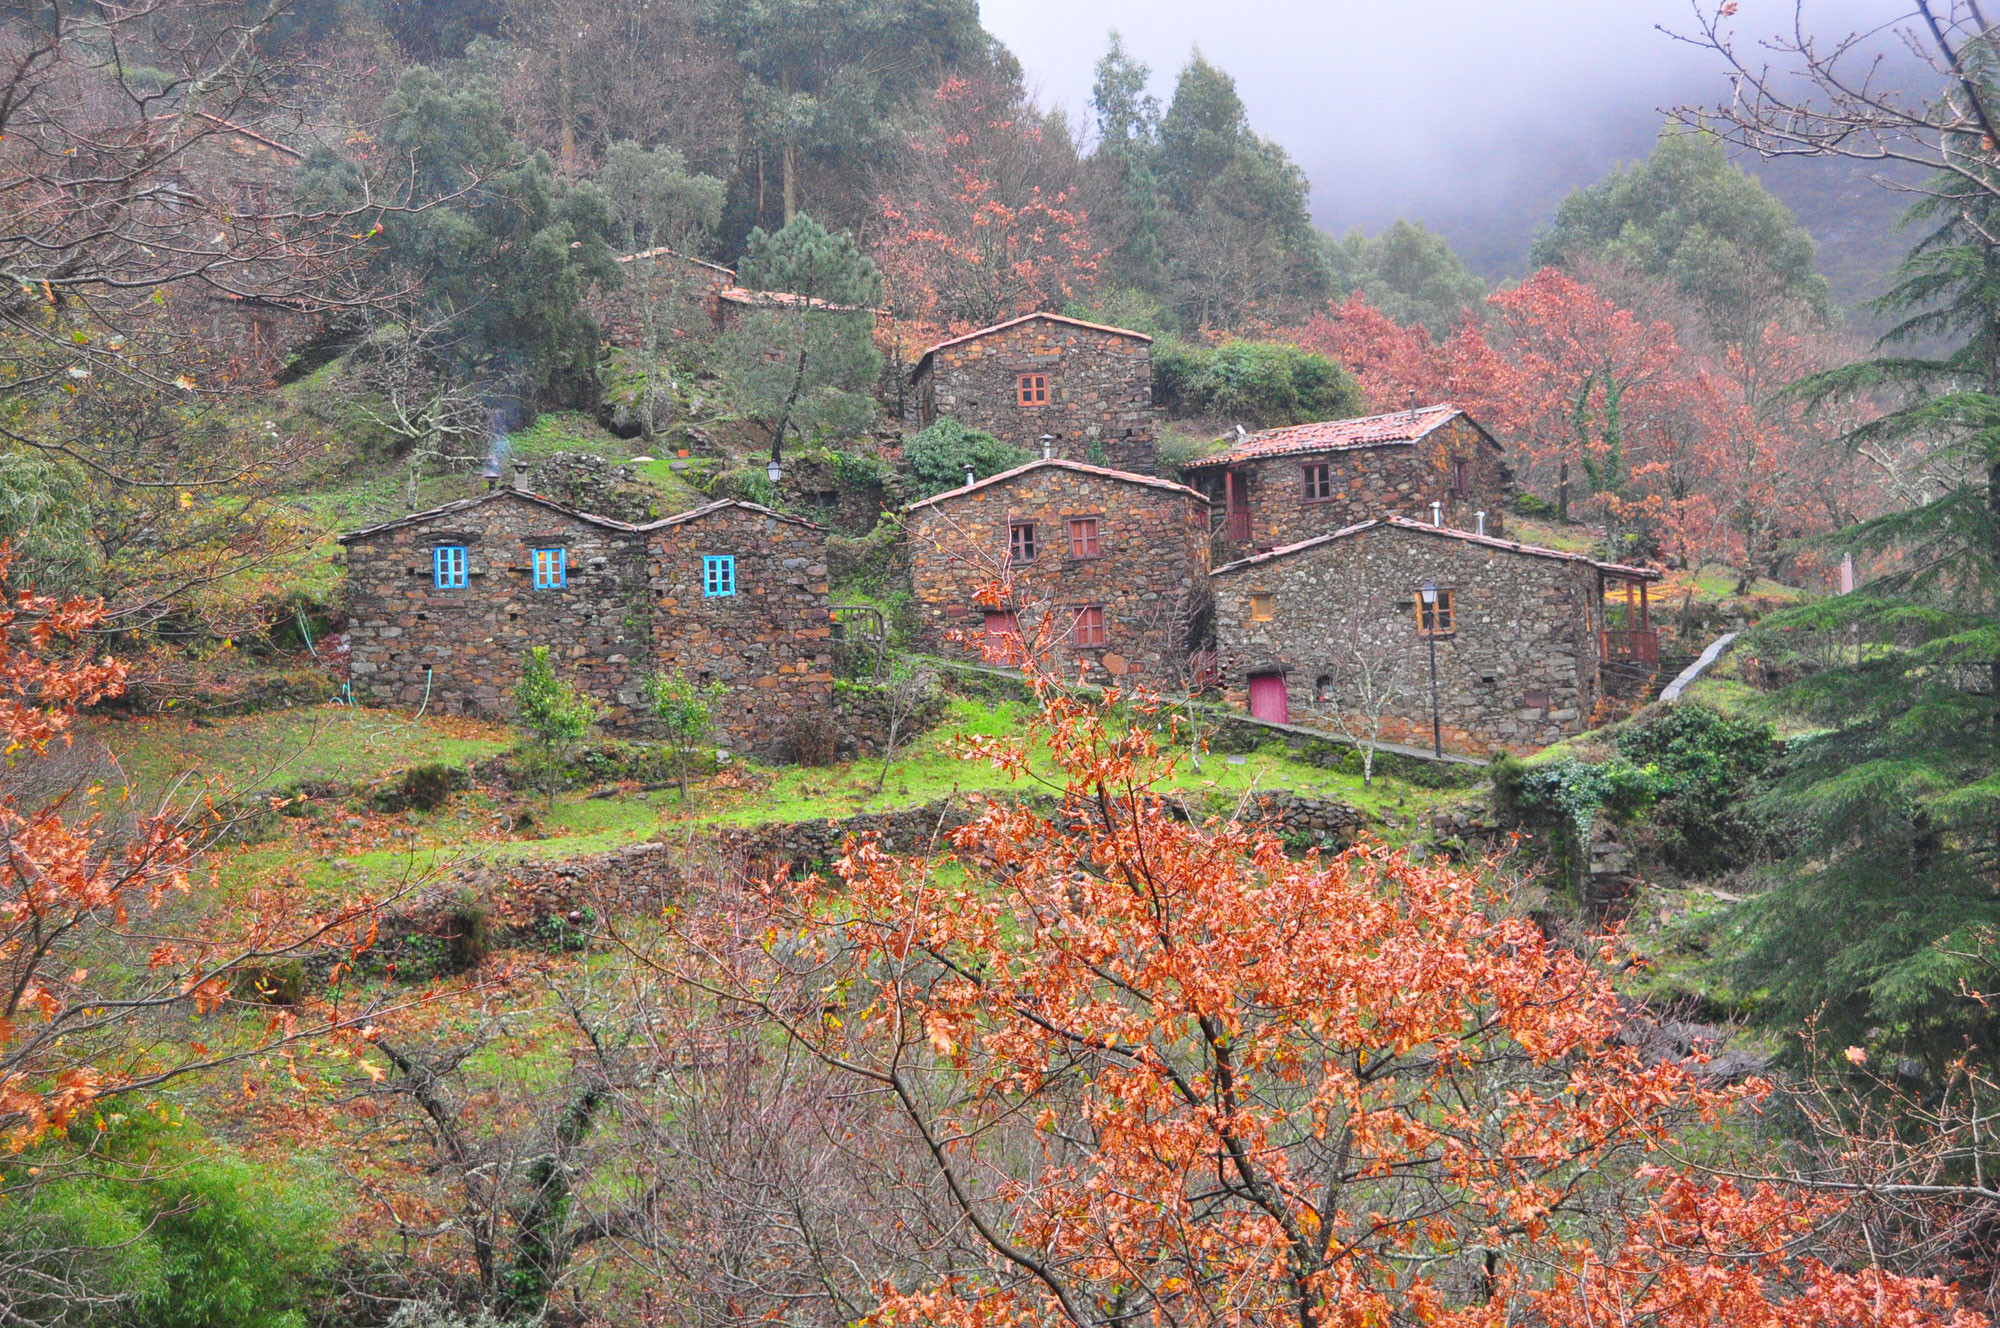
{"x": 1262, "y": 382}
{"x": 811, "y": 738}
{"x": 937, "y": 458}
{"x": 1704, "y": 762}
{"x": 1532, "y": 505}
{"x": 165, "y": 1229}
{"x": 425, "y": 787}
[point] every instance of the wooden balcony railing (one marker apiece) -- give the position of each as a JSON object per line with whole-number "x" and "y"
{"x": 1638, "y": 645}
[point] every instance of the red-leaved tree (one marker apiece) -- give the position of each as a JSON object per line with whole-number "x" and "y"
{"x": 1168, "y": 1074}
{"x": 982, "y": 222}
{"x": 122, "y": 966}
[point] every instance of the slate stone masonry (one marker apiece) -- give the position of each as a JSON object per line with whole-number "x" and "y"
{"x": 1149, "y": 576}
{"x": 1518, "y": 671}
{"x": 459, "y": 650}
{"x": 770, "y": 642}
{"x": 1099, "y": 384}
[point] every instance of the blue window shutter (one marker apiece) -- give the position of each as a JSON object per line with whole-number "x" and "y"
{"x": 449, "y": 566}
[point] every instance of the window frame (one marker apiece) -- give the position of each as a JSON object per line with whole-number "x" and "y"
{"x": 556, "y": 575}
{"x": 1269, "y": 604}
{"x": 1021, "y": 536}
{"x": 451, "y": 566}
{"x": 1031, "y": 389}
{"x": 1096, "y": 540}
{"x": 718, "y": 575}
{"x": 1444, "y": 612}
{"x": 1324, "y": 476}
{"x": 1461, "y": 478}
{"x": 1078, "y": 632}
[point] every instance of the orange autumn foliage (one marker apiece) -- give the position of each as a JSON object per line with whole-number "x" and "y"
{"x": 98, "y": 976}
{"x": 1170, "y": 1074}
{"x": 983, "y": 223}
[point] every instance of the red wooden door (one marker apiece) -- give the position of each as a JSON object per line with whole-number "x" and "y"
{"x": 1003, "y": 638}
{"x": 1268, "y": 699}
{"x": 1237, "y": 503}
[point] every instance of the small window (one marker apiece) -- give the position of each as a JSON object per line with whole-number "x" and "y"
{"x": 1033, "y": 389}
{"x": 1263, "y": 608}
{"x": 551, "y": 568}
{"x": 1323, "y": 689}
{"x": 1435, "y": 620}
{"x": 1461, "y": 479}
{"x": 1021, "y": 541}
{"x": 718, "y": 574}
{"x": 1318, "y": 482}
{"x": 1089, "y": 627}
{"x": 1083, "y": 537}
{"x": 449, "y": 567}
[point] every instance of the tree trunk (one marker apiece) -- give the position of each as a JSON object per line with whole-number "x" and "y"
{"x": 791, "y": 181}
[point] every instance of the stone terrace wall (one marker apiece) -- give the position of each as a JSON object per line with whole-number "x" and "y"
{"x": 471, "y": 640}
{"x": 770, "y": 643}
{"x": 1151, "y": 578}
{"x": 1401, "y": 479}
{"x": 1100, "y": 391}
{"x": 1519, "y": 672}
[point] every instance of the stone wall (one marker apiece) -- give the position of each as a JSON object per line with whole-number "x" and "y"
{"x": 470, "y": 641}
{"x": 589, "y": 483}
{"x": 1400, "y": 478}
{"x": 1150, "y": 577}
{"x": 680, "y": 290}
{"x": 1100, "y": 387}
{"x": 1518, "y": 672}
{"x": 770, "y": 643}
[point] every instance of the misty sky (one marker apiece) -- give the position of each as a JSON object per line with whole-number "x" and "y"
{"x": 1475, "y": 116}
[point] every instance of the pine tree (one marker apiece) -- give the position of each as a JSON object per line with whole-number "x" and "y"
{"x": 1887, "y": 913}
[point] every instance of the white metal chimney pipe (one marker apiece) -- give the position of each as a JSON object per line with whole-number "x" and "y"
{"x": 1437, "y": 514}
{"x": 1480, "y": 518}
{"x": 969, "y": 479}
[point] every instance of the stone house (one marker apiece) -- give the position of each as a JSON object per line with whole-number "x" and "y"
{"x": 677, "y": 291}
{"x": 1285, "y": 485}
{"x": 1335, "y": 628}
{"x": 1104, "y": 566}
{"x": 738, "y": 596}
{"x": 442, "y": 605}
{"x": 1087, "y": 386}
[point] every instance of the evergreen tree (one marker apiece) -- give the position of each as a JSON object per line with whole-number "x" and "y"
{"x": 1887, "y": 913}
{"x": 807, "y": 367}
{"x": 1409, "y": 273}
{"x": 1238, "y": 237}
{"x": 1690, "y": 217}
{"x": 504, "y": 249}
{"x": 1126, "y": 208}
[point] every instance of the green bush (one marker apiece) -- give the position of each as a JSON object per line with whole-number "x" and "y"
{"x": 1705, "y": 762}
{"x": 1265, "y": 383}
{"x": 937, "y": 458}
{"x": 171, "y": 1230}
{"x": 1532, "y": 505}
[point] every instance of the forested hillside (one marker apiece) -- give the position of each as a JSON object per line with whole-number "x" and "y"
{"x": 652, "y": 675}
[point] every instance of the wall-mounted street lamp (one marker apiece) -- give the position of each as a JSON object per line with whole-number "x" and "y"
{"x": 773, "y": 471}
{"x": 1429, "y": 592}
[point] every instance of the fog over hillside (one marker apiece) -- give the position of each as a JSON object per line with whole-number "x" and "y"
{"x": 1475, "y": 117}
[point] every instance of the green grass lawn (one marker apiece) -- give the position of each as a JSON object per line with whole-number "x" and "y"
{"x": 343, "y": 843}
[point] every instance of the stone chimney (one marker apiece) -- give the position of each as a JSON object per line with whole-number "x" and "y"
{"x": 521, "y": 474}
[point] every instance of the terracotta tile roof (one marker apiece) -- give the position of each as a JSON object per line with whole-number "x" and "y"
{"x": 774, "y": 299}
{"x": 1150, "y": 481}
{"x": 1015, "y": 322}
{"x": 1401, "y": 426}
{"x": 697, "y": 513}
{"x": 480, "y": 500}
{"x": 1442, "y": 532}
{"x": 663, "y": 251}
